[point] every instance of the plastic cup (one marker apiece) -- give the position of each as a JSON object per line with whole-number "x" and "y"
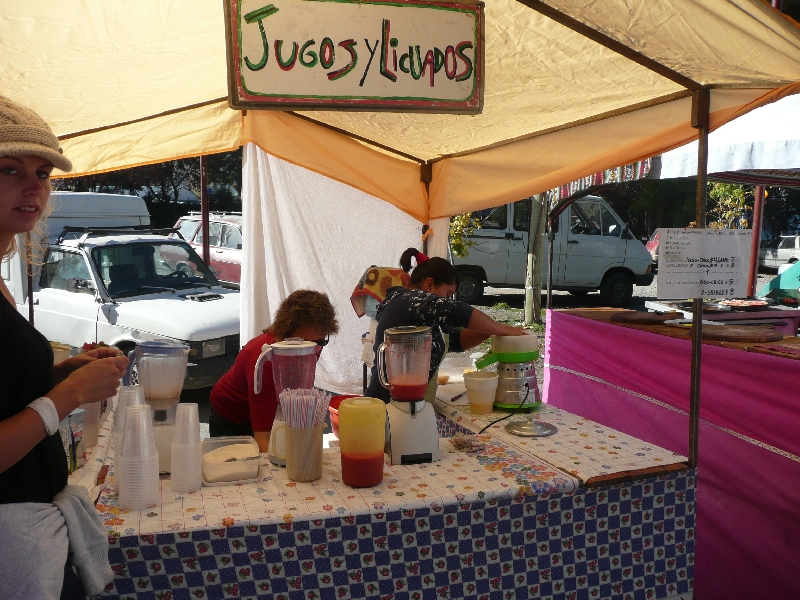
{"x": 138, "y": 481}
{"x": 186, "y": 467}
{"x": 187, "y": 424}
{"x": 91, "y": 423}
{"x": 138, "y": 439}
{"x": 481, "y": 387}
{"x": 304, "y": 453}
{"x": 129, "y": 395}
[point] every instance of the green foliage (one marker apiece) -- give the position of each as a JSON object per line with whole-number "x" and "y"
{"x": 651, "y": 203}
{"x": 729, "y": 205}
{"x": 461, "y": 227}
{"x": 501, "y": 306}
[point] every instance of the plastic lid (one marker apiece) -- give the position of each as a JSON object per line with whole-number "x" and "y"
{"x": 163, "y": 347}
{"x": 296, "y": 346}
{"x": 408, "y": 330}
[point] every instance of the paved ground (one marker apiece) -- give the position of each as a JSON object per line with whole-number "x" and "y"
{"x": 506, "y": 305}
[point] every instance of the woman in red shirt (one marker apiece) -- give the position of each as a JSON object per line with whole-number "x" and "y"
{"x": 235, "y": 408}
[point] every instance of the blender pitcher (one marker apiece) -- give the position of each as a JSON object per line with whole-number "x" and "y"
{"x": 294, "y": 364}
{"x": 161, "y": 368}
{"x": 404, "y": 362}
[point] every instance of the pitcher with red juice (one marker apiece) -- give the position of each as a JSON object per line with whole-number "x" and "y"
{"x": 404, "y": 362}
{"x": 362, "y": 430}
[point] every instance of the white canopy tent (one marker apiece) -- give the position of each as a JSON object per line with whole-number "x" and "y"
{"x": 768, "y": 138}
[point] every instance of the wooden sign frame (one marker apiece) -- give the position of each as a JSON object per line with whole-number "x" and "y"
{"x": 266, "y": 73}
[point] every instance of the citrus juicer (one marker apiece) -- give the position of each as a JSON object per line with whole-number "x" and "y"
{"x": 294, "y": 365}
{"x": 515, "y": 357}
{"x": 160, "y": 369}
{"x": 517, "y": 388}
{"x": 404, "y": 361}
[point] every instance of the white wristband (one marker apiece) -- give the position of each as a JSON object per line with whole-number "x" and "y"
{"x": 47, "y": 411}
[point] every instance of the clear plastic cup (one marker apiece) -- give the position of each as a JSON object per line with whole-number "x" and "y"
{"x": 91, "y": 423}
{"x": 481, "y": 387}
{"x": 186, "y": 467}
{"x": 138, "y": 439}
{"x": 187, "y": 425}
{"x": 138, "y": 481}
{"x": 129, "y": 395}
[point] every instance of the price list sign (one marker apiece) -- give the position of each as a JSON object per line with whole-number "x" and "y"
{"x": 703, "y": 263}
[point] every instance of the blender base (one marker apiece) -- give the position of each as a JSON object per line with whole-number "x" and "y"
{"x": 411, "y": 439}
{"x": 531, "y": 428}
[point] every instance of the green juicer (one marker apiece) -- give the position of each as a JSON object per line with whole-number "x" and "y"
{"x": 515, "y": 358}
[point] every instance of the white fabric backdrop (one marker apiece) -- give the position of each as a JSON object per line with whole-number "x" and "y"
{"x": 766, "y": 138}
{"x": 439, "y": 240}
{"x": 303, "y": 230}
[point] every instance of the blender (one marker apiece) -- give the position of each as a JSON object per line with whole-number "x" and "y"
{"x": 161, "y": 369}
{"x": 294, "y": 364}
{"x": 404, "y": 362}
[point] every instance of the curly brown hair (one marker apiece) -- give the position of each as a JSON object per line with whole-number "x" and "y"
{"x": 304, "y": 308}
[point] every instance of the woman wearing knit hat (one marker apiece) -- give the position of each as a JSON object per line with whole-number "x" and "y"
{"x": 36, "y": 394}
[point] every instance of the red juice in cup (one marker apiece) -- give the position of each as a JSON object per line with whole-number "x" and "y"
{"x": 362, "y": 470}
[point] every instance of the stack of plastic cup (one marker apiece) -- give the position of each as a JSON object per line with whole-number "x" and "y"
{"x": 186, "y": 450}
{"x": 128, "y": 396}
{"x": 137, "y": 462}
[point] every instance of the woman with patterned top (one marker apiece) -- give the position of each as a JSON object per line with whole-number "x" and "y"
{"x": 429, "y": 300}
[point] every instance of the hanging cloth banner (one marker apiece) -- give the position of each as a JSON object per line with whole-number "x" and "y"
{"x": 409, "y": 56}
{"x": 631, "y": 172}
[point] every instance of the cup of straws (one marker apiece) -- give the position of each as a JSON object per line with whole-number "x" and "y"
{"x": 304, "y": 412}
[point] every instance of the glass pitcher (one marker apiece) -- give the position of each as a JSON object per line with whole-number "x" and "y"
{"x": 294, "y": 363}
{"x": 404, "y": 361}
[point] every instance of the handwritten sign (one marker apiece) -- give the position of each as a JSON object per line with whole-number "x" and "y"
{"x": 401, "y": 56}
{"x": 703, "y": 263}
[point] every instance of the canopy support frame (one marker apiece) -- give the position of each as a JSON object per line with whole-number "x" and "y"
{"x": 701, "y": 100}
{"x": 611, "y": 44}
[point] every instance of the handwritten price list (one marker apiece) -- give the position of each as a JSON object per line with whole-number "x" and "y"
{"x": 703, "y": 263}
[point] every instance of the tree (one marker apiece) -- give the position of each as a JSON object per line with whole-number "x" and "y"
{"x": 161, "y": 184}
{"x": 729, "y": 205}
{"x": 461, "y": 227}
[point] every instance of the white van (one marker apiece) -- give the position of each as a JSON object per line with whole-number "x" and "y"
{"x": 592, "y": 250}
{"x": 125, "y": 286}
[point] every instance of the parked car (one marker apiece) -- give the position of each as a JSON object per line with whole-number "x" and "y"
{"x": 593, "y": 250}
{"x": 224, "y": 241}
{"x": 784, "y": 250}
{"x": 125, "y": 288}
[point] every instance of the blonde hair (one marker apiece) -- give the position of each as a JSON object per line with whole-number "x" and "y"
{"x": 32, "y": 253}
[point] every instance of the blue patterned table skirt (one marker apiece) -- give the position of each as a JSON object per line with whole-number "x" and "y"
{"x": 632, "y": 541}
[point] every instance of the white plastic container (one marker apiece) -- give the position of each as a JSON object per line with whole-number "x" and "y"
{"x": 240, "y": 471}
{"x": 481, "y": 387}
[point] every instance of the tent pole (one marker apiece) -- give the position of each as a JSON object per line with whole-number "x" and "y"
{"x": 758, "y": 215}
{"x": 755, "y": 244}
{"x": 550, "y": 237}
{"x": 204, "y": 211}
{"x": 700, "y": 119}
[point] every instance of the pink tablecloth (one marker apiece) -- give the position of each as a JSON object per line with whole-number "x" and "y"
{"x": 748, "y": 520}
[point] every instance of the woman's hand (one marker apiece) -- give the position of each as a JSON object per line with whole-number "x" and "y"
{"x": 94, "y": 381}
{"x": 510, "y": 330}
{"x": 63, "y": 369}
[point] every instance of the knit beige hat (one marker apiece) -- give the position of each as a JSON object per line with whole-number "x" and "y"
{"x": 22, "y": 131}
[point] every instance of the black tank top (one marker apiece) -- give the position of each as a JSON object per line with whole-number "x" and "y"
{"x": 26, "y": 373}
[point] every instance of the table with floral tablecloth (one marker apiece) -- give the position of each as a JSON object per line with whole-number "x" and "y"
{"x": 495, "y": 521}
